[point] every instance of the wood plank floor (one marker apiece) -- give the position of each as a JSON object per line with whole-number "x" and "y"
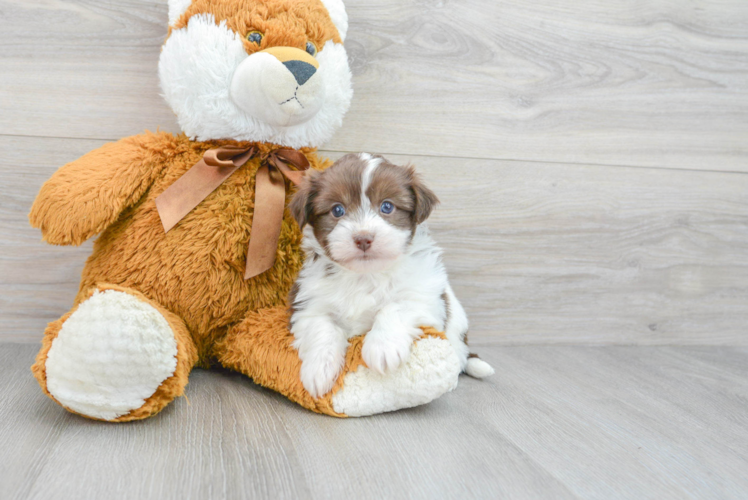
{"x": 578, "y": 247}
{"x": 556, "y": 422}
{"x": 660, "y": 83}
{"x": 537, "y": 252}
{"x": 592, "y": 161}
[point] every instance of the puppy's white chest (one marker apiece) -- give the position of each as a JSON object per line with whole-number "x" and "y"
{"x": 358, "y": 311}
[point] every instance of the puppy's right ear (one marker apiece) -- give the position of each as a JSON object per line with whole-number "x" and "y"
{"x": 301, "y": 204}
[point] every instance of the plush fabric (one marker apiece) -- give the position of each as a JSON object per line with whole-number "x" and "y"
{"x": 154, "y": 304}
{"x": 205, "y": 58}
{"x": 260, "y": 347}
{"x": 171, "y": 388}
{"x": 286, "y": 22}
{"x": 196, "y": 270}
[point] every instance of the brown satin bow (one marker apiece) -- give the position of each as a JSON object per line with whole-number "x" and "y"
{"x": 216, "y": 166}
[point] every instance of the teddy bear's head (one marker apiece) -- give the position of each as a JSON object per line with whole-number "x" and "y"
{"x": 257, "y": 70}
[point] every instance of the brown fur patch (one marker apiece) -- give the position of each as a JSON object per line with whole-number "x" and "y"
{"x": 283, "y": 23}
{"x": 392, "y": 183}
{"x": 319, "y": 193}
{"x": 292, "y": 298}
{"x": 426, "y": 200}
{"x": 341, "y": 184}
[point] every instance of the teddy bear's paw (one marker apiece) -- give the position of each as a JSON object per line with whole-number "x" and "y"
{"x": 431, "y": 370}
{"x": 110, "y": 356}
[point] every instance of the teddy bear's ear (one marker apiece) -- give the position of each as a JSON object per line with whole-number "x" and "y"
{"x": 336, "y": 9}
{"x": 179, "y": 7}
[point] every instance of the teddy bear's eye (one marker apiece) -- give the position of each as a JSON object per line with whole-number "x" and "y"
{"x": 311, "y": 48}
{"x": 254, "y": 37}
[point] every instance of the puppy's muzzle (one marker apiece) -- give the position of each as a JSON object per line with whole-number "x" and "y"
{"x": 280, "y": 85}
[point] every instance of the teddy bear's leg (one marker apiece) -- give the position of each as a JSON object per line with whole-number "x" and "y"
{"x": 116, "y": 356}
{"x": 261, "y": 347}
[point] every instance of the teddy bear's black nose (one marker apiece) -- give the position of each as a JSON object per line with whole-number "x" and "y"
{"x": 300, "y": 70}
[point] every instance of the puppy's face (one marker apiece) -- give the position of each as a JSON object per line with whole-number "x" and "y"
{"x": 363, "y": 210}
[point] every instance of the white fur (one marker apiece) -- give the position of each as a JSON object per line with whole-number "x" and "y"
{"x": 264, "y": 88}
{"x": 177, "y": 8}
{"x": 389, "y": 242}
{"x": 387, "y": 297}
{"x": 371, "y": 165}
{"x": 111, "y": 355}
{"x": 478, "y": 368}
{"x": 197, "y": 67}
{"x": 339, "y": 17}
{"x": 431, "y": 370}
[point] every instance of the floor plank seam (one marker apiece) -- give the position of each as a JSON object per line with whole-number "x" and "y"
{"x": 421, "y": 155}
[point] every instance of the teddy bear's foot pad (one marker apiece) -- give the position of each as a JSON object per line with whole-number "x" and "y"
{"x": 432, "y": 370}
{"x": 111, "y": 355}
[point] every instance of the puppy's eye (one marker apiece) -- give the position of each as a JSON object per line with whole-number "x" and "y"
{"x": 387, "y": 207}
{"x": 311, "y": 48}
{"x": 338, "y": 211}
{"x": 255, "y": 37}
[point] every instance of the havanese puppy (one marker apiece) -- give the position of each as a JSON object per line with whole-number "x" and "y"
{"x": 371, "y": 267}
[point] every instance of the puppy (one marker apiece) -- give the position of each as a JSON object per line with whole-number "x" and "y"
{"x": 371, "y": 267}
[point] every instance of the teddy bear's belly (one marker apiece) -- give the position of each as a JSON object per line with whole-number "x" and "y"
{"x": 197, "y": 269}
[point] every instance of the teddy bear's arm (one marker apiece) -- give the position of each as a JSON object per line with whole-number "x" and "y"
{"x": 85, "y": 196}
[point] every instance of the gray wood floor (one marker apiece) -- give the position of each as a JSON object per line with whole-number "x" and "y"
{"x": 556, "y": 422}
{"x": 592, "y": 161}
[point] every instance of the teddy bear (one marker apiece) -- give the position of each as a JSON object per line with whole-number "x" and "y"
{"x": 196, "y": 249}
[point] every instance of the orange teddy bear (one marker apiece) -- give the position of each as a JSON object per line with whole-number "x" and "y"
{"x": 196, "y": 253}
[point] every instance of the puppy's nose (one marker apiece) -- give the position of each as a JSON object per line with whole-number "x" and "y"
{"x": 363, "y": 241}
{"x": 300, "y": 70}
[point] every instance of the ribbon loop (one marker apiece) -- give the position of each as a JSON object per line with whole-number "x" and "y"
{"x": 213, "y": 169}
{"x": 228, "y": 156}
{"x": 282, "y": 158}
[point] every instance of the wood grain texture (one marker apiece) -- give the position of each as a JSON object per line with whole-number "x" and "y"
{"x": 554, "y": 422}
{"x": 660, "y": 84}
{"x": 536, "y": 253}
{"x": 547, "y": 250}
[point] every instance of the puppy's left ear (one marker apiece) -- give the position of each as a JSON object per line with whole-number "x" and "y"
{"x": 301, "y": 204}
{"x": 425, "y": 199}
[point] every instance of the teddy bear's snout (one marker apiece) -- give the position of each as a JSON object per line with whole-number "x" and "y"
{"x": 301, "y": 71}
{"x": 279, "y": 85}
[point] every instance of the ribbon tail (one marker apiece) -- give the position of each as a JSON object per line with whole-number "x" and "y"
{"x": 188, "y": 191}
{"x": 270, "y": 201}
{"x": 198, "y": 182}
{"x": 294, "y": 176}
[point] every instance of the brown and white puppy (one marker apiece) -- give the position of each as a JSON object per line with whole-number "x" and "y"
{"x": 371, "y": 267}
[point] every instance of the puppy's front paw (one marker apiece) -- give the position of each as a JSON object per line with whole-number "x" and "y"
{"x": 382, "y": 352}
{"x": 318, "y": 374}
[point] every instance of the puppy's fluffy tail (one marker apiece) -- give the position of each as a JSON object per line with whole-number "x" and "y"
{"x": 477, "y": 368}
